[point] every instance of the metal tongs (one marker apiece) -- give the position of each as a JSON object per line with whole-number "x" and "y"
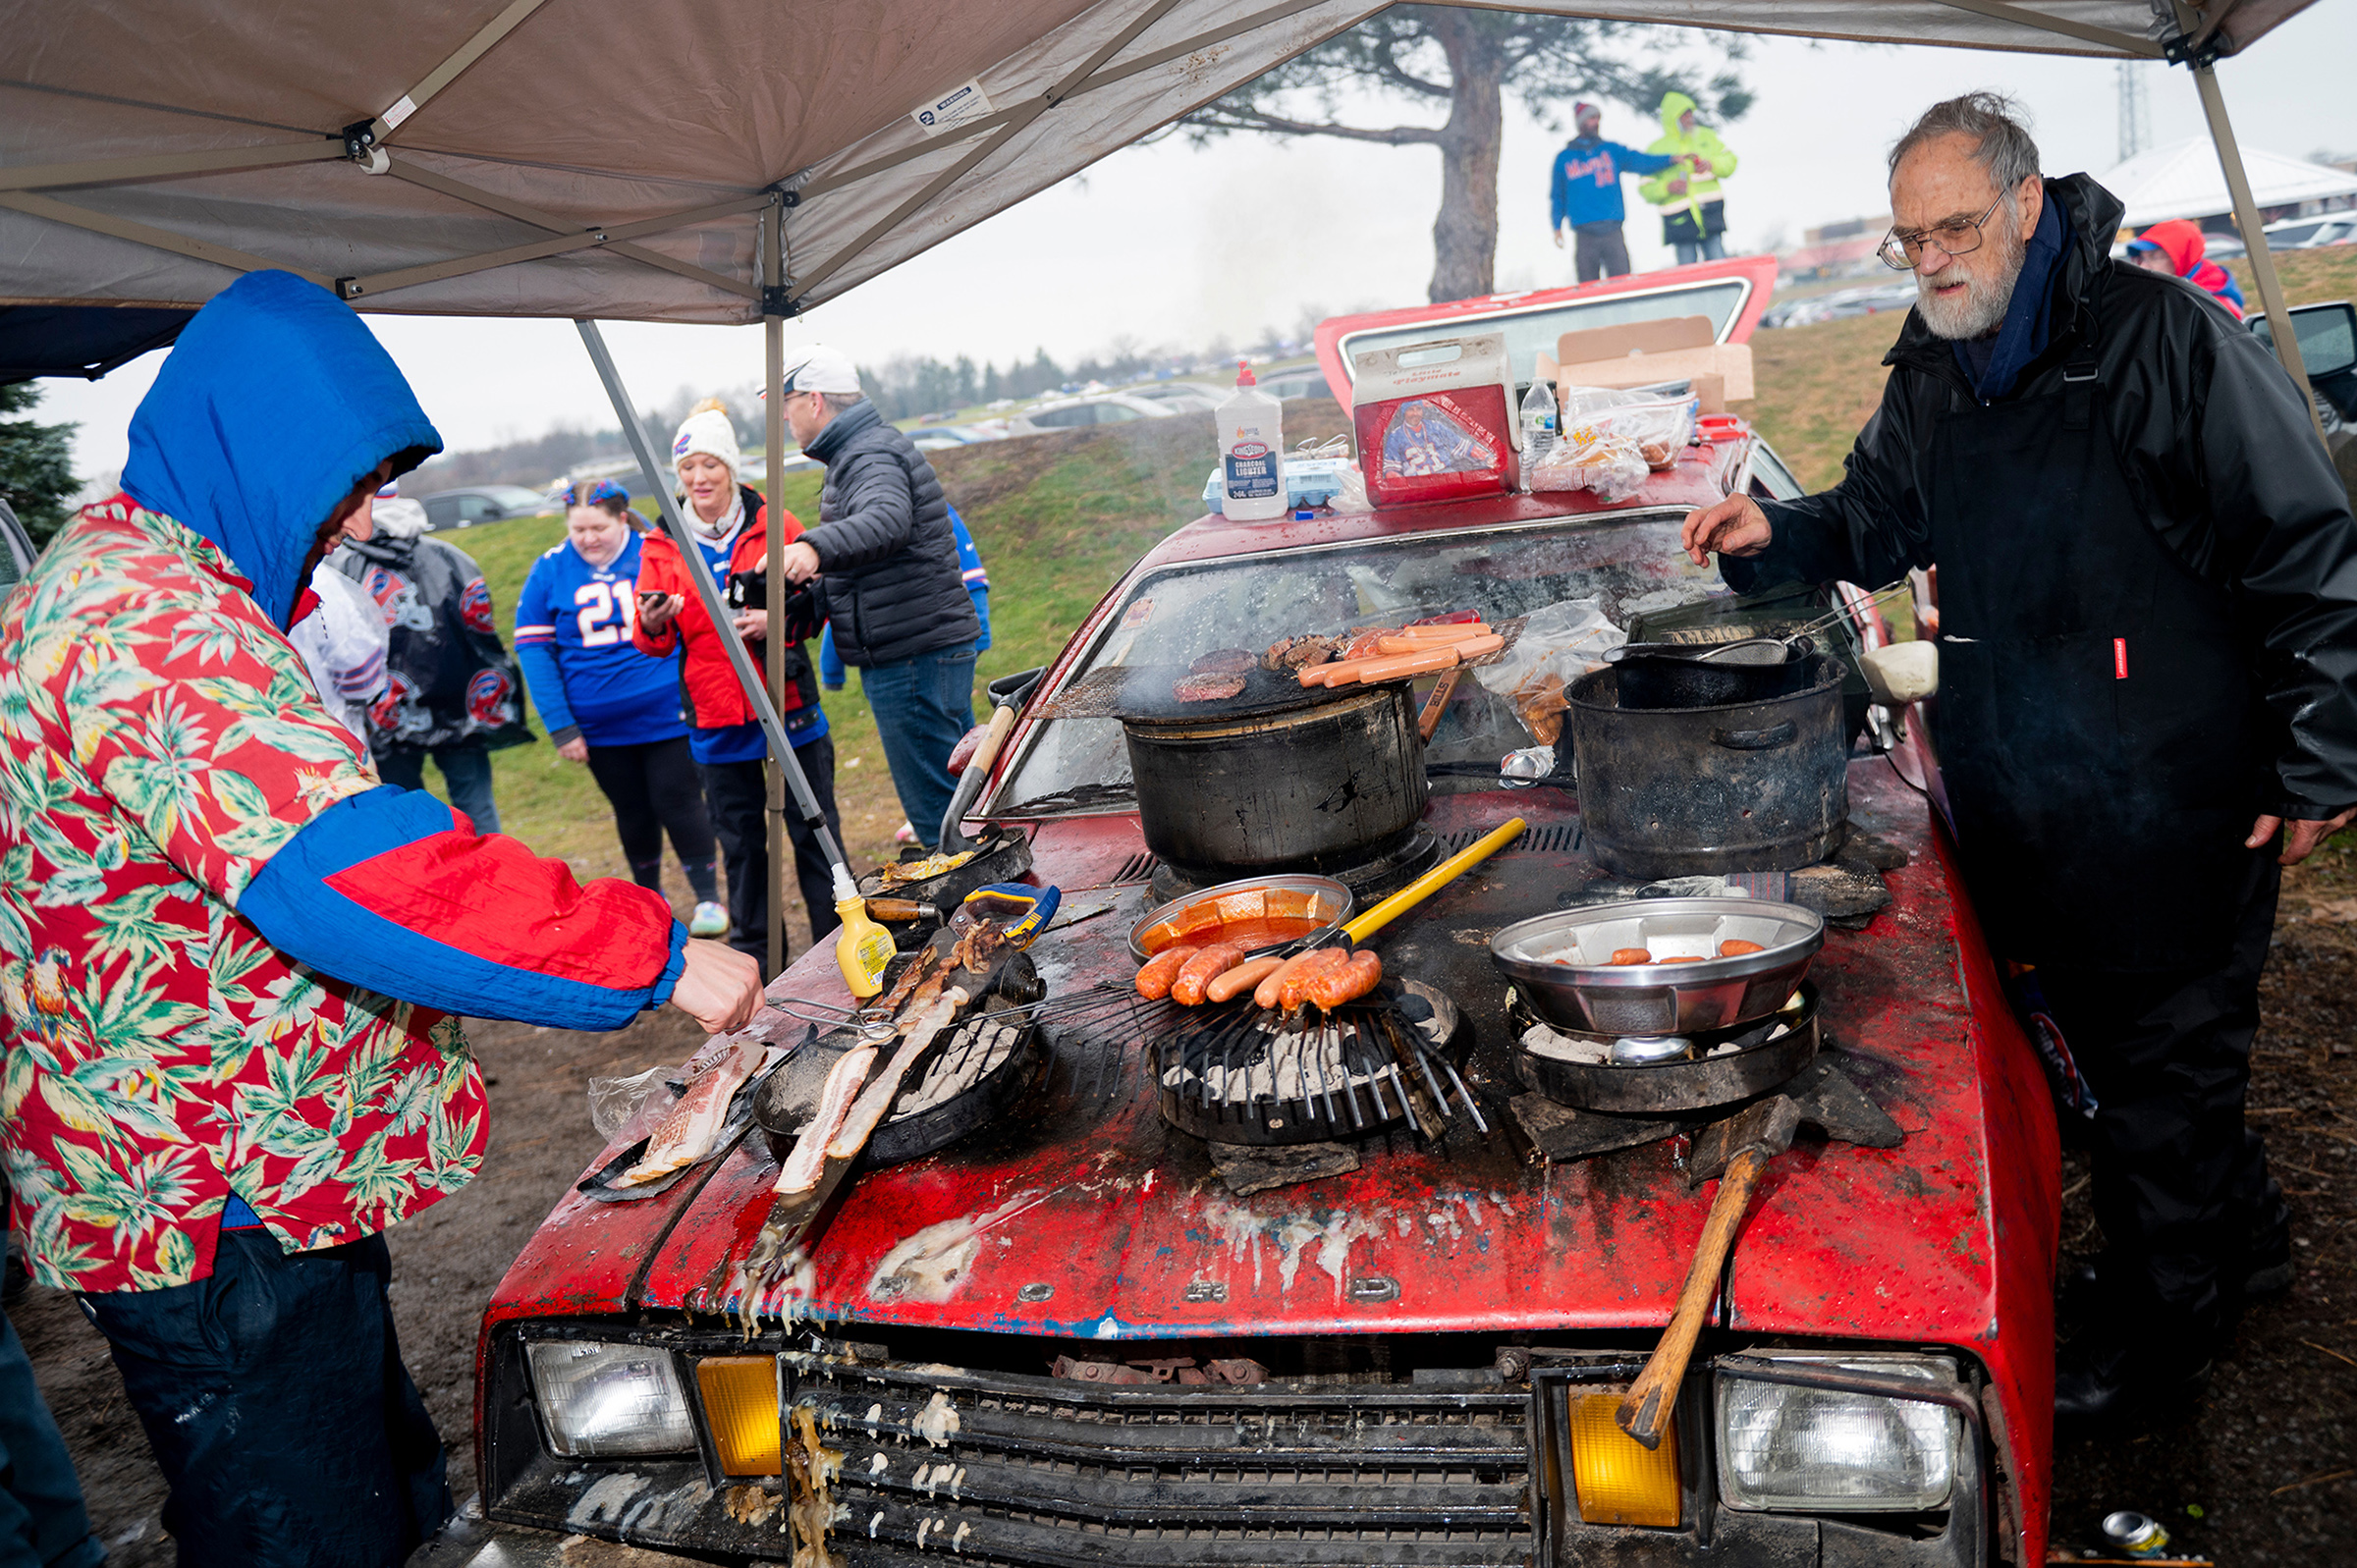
{"x": 874, "y": 1024}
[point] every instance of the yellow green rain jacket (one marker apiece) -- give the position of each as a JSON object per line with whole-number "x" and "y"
{"x": 1696, "y": 213}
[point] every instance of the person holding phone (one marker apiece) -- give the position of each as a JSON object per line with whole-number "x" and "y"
{"x": 731, "y": 526}
{"x": 610, "y": 706}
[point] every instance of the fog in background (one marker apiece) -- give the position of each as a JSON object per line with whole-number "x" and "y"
{"x": 1146, "y": 244}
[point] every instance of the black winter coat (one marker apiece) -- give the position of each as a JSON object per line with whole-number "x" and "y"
{"x": 892, "y": 585}
{"x": 2196, "y": 484}
{"x": 452, "y": 680}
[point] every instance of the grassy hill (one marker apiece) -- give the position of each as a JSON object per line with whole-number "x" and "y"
{"x": 1059, "y": 517}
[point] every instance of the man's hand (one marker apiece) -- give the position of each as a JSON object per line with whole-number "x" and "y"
{"x": 1702, "y": 165}
{"x": 720, "y": 988}
{"x": 1736, "y": 526}
{"x": 801, "y": 562}
{"x": 2300, "y": 837}
{"x": 656, "y": 610}
{"x": 1558, "y": 237}
{"x": 1678, "y": 185}
{"x": 574, "y": 750}
{"x": 752, "y": 624}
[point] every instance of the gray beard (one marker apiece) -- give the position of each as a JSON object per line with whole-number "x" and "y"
{"x": 1982, "y": 309}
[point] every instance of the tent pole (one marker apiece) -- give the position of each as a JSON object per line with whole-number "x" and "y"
{"x": 2246, "y": 218}
{"x": 773, "y": 445}
{"x": 706, "y": 590}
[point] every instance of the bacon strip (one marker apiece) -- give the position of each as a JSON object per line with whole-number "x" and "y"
{"x": 686, "y": 1134}
{"x": 803, "y": 1166}
{"x": 860, "y": 1123}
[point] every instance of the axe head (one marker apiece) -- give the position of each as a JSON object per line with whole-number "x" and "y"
{"x": 1766, "y": 1124}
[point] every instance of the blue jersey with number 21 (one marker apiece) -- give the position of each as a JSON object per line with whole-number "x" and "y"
{"x": 573, "y": 637}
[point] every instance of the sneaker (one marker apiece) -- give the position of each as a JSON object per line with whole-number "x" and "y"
{"x": 903, "y": 834}
{"x": 711, "y": 920}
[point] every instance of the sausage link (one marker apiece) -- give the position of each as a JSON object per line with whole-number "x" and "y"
{"x": 1332, "y": 988}
{"x": 1202, "y": 969}
{"x": 1623, "y": 956}
{"x": 1240, "y": 979}
{"x": 1735, "y": 947}
{"x": 1154, "y": 980}
{"x": 1265, "y": 994}
{"x": 1295, "y": 987}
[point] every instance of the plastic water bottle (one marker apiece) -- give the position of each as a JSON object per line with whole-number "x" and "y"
{"x": 1251, "y": 444}
{"x": 1539, "y": 415}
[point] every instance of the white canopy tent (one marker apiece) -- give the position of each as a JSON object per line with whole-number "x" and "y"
{"x": 642, "y": 159}
{"x": 2182, "y": 180}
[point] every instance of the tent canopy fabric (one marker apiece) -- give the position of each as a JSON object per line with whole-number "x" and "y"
{"x": 84, "y": 341}
{"x": 2182, "y": 180}
{"x": 626, "y": 158}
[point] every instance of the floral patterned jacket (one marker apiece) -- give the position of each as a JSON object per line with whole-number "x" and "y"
{"x": 189, "y": 845}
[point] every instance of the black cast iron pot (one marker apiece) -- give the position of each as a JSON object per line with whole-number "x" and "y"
{"x": 1310, "y": 788}
{"x": 1702, "y": 791}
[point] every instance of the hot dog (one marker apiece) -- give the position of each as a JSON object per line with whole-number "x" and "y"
{"x": 1154, "y": 980}
{"x": 1240, "y": 979}
{"x": 1265, "y": 994}
{"x": 1735, "y": 945}
{"x": 1295, "y": 984}
{"x": 1482, "y": 647}
{"x": 1624, "y": 956}
{"x": 1390, "y": 666}
{"x": 1412, "y": 639}
{"x": 1331, "y": 987}
{"x": 1202, "y": 969}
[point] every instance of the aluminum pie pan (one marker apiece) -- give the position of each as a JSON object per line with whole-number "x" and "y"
{"x": 1557, "y": 962}
{"x": 1330, "y": 903}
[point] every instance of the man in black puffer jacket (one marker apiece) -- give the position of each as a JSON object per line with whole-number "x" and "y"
{"x": 2148, "y": 651}
{"x": 889, "y": 578}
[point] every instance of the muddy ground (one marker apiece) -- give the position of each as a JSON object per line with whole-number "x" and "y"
{"x": 2261, "y": 1470}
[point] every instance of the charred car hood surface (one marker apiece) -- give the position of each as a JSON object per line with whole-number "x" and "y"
{"x": 1080, "y": 1214}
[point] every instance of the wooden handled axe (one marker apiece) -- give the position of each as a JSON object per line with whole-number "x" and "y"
{"x": 1737, "y": 1150}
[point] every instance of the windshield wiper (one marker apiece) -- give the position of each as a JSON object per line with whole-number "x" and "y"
{"x": 1087, "y": 794}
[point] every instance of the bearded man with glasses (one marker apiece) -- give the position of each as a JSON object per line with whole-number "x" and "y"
{"x": 2148, "y": 644}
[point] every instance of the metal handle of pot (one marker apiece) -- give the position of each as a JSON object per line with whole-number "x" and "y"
{"x": 1756, "y": 740}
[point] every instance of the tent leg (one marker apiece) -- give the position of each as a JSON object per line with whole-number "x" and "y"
{"x": 708, "y": 592}
{"x": 773, "y": 363}
{"x": 2246, "y": 218}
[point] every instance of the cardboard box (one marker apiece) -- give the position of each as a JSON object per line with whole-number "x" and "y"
{"x": 1435, "y": 420}
{"x": 1642, "y": 352}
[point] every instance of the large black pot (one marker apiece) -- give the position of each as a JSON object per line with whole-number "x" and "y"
{"x": 1312, "y": 789}
{"x": 1702, "y": 791}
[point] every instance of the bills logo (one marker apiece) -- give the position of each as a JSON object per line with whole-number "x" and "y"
{"x": 474, "y": 608}
{"x": 487, "y": 697}
{"x": 679, "y": 448}
{"x": 383, "y": 712}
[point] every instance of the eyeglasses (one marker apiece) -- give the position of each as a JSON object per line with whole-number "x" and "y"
{"x": 601, "y": 490}
{"x": 1957, "y": 237}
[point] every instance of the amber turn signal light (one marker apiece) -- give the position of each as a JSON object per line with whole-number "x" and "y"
{"x": 741, "y": 1406}
{"x": 1619, "y": 1481}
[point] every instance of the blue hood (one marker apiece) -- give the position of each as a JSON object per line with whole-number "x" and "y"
{"x": 275, "y": 403}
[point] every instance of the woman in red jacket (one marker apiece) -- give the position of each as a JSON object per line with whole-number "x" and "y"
{"x": 730, "y": 523}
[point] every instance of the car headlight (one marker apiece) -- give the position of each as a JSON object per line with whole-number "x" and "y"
{"x": 604, "y": 1401}
{"x": 1827, "y": 1451}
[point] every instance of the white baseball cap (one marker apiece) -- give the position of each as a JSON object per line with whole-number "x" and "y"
{"x": 819, "y": 368}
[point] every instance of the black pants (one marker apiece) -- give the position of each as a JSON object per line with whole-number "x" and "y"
{"x": 2182, "y": 1187}
{"x": 1600, "y": 250}
{"x": 42, "y": 1521}
{"x": 275, "y": 1400}
{"x": 653, "y": 789}
{"x": 737, "y": 795}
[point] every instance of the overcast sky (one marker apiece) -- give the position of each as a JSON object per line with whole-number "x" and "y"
{"x": 1138, "y": 245}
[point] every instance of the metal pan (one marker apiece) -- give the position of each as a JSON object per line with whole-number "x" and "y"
{"x": 1330, "y": 904}
{"x": 1671, "y": 1088}
{"x": 1560, "y": 963}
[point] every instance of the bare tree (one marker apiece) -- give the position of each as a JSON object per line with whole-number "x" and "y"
{"x": 1468, "y": 61}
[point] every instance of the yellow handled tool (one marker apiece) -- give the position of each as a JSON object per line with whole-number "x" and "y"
{"x": 1439, "y": 876}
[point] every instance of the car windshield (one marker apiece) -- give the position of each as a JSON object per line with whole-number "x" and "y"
{"x": 1530, "y": 328}
{"x": 514, "y": 498}
{"x": 1630, "y": 565}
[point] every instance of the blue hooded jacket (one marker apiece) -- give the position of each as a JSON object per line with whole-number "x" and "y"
{"x": 1585, "y": 183}
{"x": 274, "y": 404}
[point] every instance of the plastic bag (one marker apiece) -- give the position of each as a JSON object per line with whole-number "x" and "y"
{"x": 1614, "y": 468}
{"x": 1660, "y": 427}
{"x": 1351, "y": 495}
{"x": 1557, "y": 645}
{"x": 612, "y": 1102}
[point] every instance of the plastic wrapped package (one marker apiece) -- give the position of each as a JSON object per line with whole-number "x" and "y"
{"x": 1557, "y": 645}
{"x": 1660, "y": 427}
{"x": 1611, "y": 466}
{"x": 612, "y": 1102}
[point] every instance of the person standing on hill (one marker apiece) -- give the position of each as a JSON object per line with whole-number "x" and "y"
{"x": 731, "y": 524}
{"x": 608, "y": 705}
{"x": 1693, "y": 217}
{"x": 889, "y": 580}
{"x": 1584, "y": 191}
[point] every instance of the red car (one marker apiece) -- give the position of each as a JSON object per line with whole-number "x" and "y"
{"x": 1067, "y": 1338}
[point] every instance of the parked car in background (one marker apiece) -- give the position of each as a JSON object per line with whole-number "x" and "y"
{"x": 1180, "y": 396}
{"x": 1304, "y": 382}
{"x": 1072, "y": 413}
{"x": 17, "y": 550}
{"x": 476, "y": 504}
{"x": 2306, "y": 234}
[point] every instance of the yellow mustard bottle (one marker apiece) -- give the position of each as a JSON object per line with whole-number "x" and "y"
{"x": 861, "y": 948}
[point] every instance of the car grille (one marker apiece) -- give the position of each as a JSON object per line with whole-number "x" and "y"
{"x": 1039, "y": 1471}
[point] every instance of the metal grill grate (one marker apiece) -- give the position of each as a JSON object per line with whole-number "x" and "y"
{"x": 1550, "y": 838}
{"x": 1137, "y": 867}
{"x": 1016, "y": 1470}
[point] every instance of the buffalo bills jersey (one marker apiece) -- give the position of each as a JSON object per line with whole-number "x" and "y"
{"x": 573, "y": 637}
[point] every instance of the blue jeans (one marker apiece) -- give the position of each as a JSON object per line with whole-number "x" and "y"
{"x": 922, "y": 706}
{"x": 1712, "y": 247}
{"x": 276, "y": 1403}
{"x": 42, "y": 1522}
{"x": 465, "y": 774}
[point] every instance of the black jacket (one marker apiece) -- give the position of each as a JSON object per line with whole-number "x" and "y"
{"x": 892, "y": 585}
{"x": 2216, "y": 450}
{"x": 453, "y": 682}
